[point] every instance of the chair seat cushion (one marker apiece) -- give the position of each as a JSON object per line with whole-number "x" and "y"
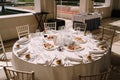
{"x": 115, "y": 59}
{"x": 115, "y": 54}
{"x": 116, "y": 48}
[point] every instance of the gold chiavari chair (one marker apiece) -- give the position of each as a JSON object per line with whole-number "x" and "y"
{"x": 12, "y": 74}
{"x": 115, "y": 52}
{"x": 105, "y": 34}
{"x": 22, "y": 30}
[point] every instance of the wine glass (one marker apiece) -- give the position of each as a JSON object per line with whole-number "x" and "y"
{"x": 77, "y": 29}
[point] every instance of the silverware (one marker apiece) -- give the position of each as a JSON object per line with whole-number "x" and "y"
{"x": 53, "y": 60}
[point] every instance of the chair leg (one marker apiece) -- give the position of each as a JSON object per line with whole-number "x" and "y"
{"x": 4, "y": 58}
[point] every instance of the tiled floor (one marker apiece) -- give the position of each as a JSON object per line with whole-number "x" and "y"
{"x": 115, "y": 74}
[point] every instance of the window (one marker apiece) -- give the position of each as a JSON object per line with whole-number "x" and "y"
{"x": 100, "y": 1}
{"x": 68, "y": 2}
{"x": 67, "y": 8}
{"x": 25, "y": 0}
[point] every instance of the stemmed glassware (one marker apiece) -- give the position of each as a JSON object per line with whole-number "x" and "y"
{"x": 78, "y": 30}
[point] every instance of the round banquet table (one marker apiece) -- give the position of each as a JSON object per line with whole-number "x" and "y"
{"x": 45, "y": 66}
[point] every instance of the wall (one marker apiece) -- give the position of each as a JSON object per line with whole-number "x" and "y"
{"x": 83, "y": 6}
{"x": 105, "y": 9}
{"x": 8, "y": 24}
{"x": 116, "y": 4}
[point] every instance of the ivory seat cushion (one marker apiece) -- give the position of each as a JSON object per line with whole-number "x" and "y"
{"x": 115, "y": 55}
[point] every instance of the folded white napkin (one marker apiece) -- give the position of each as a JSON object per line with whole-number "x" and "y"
{"x": 21, "y": 51}
{"x": 40, "y": 61}
{"x": 22, "y": 40}
{"x": 97, "y": 52}
{"x": 74, "y": 59}
{"x": 103, "y": 42}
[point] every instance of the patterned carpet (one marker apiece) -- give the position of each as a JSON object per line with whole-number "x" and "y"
{"x": 115, "y": 74}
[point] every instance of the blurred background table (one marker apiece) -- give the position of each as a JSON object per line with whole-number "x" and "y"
{"x": 92, "y": 20}
{"x": 59, "y": 22}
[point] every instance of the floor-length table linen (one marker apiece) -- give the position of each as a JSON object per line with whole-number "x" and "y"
{"x": 60, "y": 72}
{"x": 91, "y": 19}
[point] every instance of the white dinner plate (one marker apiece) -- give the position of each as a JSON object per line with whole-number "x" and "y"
{"x": 49, "y": 48}
{"x": 78, "y": 49}
{"x": 80, "y": 40}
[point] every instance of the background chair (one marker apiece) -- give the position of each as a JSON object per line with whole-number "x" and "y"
{"x": 3, "y": 57}
{"x": 22, "y": 30}
{"x": 12, "y": 74}
{"x": 80, "y": 26}
{"x": 112, "y": 38}
{"x": 108, "y": 36}
{"x": 100, "y": 76}
{"x": 50, "y": 26}
{"x": 97, "y": 32}
{"x": 105, "y": 34}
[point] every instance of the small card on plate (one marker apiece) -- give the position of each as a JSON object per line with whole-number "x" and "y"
{"x": 49, "y": 46}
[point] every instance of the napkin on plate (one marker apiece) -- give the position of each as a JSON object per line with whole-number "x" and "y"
{"x": 103, "y": 43}
{"x": 40, "y": 61}
{"x": 74, "y": 59}
{"x": 23, "y": 40}
{"x": 97, "y": 52}
{"x": 21, "y": 51}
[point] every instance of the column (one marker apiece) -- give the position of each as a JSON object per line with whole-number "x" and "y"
{"x": 86, "y": 6}
{"x": 37, "y": 5}
{"x": 46, "y": 6}
{"x": 83, "y": 6}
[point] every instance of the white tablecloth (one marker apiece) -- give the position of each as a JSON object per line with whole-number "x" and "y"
{"x": 43, "y": 71}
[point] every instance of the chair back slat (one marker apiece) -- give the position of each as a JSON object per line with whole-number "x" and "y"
{"x": 22, "y": 30}
{"x": 18, "y": 75}
{"x": 50, "y": 25}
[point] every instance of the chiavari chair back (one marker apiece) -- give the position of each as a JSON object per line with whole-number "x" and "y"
{"x": 12, "y": 74}
{"x": 22, "y": 30}
{"x": 108, "y": 35}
